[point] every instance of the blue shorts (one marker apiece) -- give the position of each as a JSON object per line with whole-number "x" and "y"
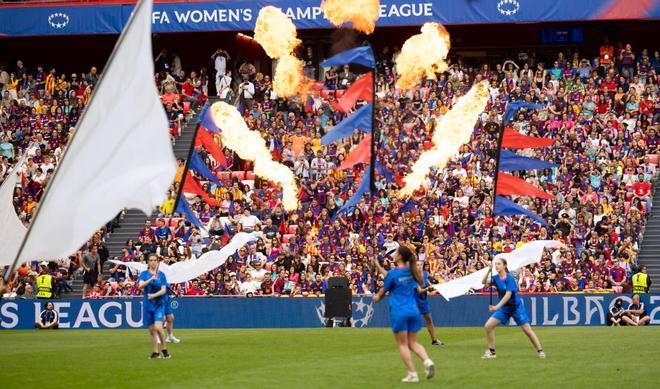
{"x": 406, "y": 323}
{"x": 168, "y": 309}
{"x": 518, "y": 313}
{"x": 150, "y": 317}
{"x": 423, "y": 306}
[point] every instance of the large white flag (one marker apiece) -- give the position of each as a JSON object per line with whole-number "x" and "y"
{"x": 12, "y": 230}
{"x": 526, "y": 254}
{"x": 119, "y": 157}
{"x": 187, "y": 270}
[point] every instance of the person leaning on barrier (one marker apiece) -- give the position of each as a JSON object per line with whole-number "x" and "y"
{"x": 48, "y": 319}
{"x": 641, "y": 281}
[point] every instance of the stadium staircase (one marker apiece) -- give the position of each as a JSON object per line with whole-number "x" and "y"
{"x": 132, "y": 220}
{"x": 649, "y": 254}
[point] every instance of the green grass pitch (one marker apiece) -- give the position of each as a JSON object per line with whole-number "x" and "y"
{"x": 578, "y": 357}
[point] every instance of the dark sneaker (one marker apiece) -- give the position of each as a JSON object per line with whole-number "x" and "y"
{"x": 154, "y": 356}
{"x": 437, "y": 343}
{"x": 166, "y": 354}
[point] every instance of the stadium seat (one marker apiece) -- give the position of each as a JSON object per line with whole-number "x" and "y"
{"x": 293, "y": 229}
{"x": 186, "y": 108}
{"x": 287, "y": 237}
{"x": 339, "y": 93}
{"x": 250, "y": 175}
{"x": 653, "y": 159}
{"x": 629, "y": 196}
{"x": 325, "y": 93}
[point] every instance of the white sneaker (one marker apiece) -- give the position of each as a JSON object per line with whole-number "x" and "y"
{"x": 541, "y": 354}
{"x": 488, "y": 355}
{"x": 411, "y": 377}
{"x": 429, "y": 369}
{"x": 173, "y": 339}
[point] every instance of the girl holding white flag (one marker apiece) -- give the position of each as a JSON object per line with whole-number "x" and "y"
{"x": 510, "y": 305}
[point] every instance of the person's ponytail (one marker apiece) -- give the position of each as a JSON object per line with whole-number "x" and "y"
{"x": 408, "y": 255}
{"x": 415, "y": 270}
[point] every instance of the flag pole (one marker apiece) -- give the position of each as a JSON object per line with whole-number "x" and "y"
{"x": 186, "y": 166}
{"x": 500, "y": 137}
{"x": 372, "y": 162}
{"x": 71, "y": 140}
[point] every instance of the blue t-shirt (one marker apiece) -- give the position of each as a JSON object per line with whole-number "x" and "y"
{"x": 163, "y": 233}
{"x": 154, "y": 287}
{"x": 421, "y": 297}
{"x": 402, "y": 285}
{"x": 507, "y": 285}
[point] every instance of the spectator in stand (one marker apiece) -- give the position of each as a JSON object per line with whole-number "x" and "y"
{"x": 194, "y": 289}
{"x": 642, "y": 190}
{"x": 91, "y": 263}
{"x": 617, "y": 278}
{"x": 220, "y": 59}
{"x": 223, "y": 86}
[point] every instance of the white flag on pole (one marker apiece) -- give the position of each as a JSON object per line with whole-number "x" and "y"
{"x": 119, "y": 157}
{"x": 12, "y": 230}
{"x": 187, "y": 270}
{"x": 524, "y": 255}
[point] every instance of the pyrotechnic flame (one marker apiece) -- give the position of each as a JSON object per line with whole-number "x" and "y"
{"x": 289, "y": 79}
{"x": 423, "y": 55}
{"x": 250, "y": 146}
{"x": 362, "y": 14}
{"x": 275, "y": 32}
{"x": 451, "y": 132}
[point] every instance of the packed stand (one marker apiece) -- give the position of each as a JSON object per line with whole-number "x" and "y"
{"x": 602, "y": 110}
{"x": 39, "y": 111}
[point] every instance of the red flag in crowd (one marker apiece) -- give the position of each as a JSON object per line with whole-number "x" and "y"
{"x": 362, "y": 89}
{"x": 512, "y": 139}
{"x": 361, "y": 154}
{"x": 511, "y": 185}
{"x": 205, "y": 139}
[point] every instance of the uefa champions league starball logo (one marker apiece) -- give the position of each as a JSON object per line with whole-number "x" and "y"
{"x": 508, "y": 7}
{"x": 363, "y": 311}
{"x": 174, "y": 304}
{"x": 58, "y": 20}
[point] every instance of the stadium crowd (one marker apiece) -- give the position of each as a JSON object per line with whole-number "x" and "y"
{"x": 38, "y": 113}
{"x": 602, "y": 109}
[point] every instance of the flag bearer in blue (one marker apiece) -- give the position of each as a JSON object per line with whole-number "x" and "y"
{"x": 402, "y": 282}
{"x": 510, "y": 306}
{"x": 425, "y": 309}
{"x": 154, "y": 284}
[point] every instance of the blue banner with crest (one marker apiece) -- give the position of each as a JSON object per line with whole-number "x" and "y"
{"x": 241, "y": 15}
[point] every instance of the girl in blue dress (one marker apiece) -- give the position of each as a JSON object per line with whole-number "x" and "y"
{"x": 402, "y": 282}
{"x": 510, "y": 306}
